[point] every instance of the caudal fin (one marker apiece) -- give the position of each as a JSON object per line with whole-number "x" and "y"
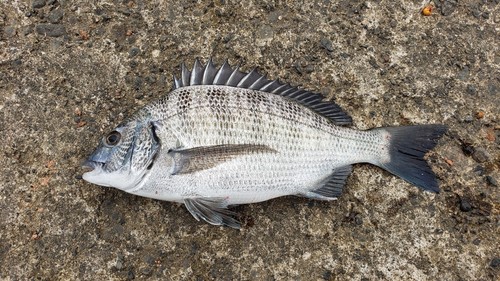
{"x": 407, "y": 148}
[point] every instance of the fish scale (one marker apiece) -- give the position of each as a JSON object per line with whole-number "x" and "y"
{"x": 224, "y": 137}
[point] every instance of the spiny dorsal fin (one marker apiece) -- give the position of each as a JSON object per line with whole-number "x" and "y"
{"x": 226, "y": 75}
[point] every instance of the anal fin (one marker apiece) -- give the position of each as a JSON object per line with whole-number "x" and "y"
{"x": 331, "y": 188}
{"x": 212, "y": 210}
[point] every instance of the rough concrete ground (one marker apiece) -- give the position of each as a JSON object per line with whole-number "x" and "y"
{"x": 70, "y": 71}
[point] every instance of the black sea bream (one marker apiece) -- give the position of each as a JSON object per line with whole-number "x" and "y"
{"x": 223, "y": 137}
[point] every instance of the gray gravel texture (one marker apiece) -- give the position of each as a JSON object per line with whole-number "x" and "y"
{"x": 71, "y": 70}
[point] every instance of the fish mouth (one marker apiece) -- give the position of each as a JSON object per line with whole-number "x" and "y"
{"x": 89, "y": 165}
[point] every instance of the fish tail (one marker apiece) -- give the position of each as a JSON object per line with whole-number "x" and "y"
{"x": 407, "y": 148}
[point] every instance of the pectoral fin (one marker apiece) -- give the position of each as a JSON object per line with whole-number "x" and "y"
{"x": 191, "y": 160}
{"x": 212, "y": 210}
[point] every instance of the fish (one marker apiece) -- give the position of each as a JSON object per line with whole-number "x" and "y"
{"x": 224, "y": 137}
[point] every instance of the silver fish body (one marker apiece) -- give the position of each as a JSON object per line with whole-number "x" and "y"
{"x": 223, "y": 137}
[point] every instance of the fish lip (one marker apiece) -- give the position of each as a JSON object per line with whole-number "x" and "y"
{"x": 89, "y": 165}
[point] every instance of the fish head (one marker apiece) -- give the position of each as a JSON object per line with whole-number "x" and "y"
{"x": 124, "y": 156}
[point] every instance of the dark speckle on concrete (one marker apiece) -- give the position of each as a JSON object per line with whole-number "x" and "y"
{"x": 495, "y": 262}
{"x": 71, "y": 72}
{"x": 465, "y": 204}
{"x": 468, "y": 149}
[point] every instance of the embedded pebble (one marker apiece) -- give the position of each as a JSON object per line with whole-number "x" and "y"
{"x": 448, "y": 7}
{"x": 134, "y": 52}
{"x": 9, "y": 31}
{"x": 468, "y": 119}
{"x": 481, "y": 155}
{"x": 495, "y": 262}
{"x": 327, "y": 44}
{"x": 55, "y": 16}
{"x": 37, "y": 4}
{"x": 492, "y": 181}
{"x": 52, "y": 30}
{"x": 465, "y": 204}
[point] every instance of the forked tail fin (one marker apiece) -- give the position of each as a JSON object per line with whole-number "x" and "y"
{"x": 407, "y": 148}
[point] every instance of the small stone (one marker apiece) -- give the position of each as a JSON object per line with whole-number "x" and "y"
{"x": 448, "y": 7}
{"x": 476, "y": 13}
{"x": 81, "y": 124}
{"x": 358, "y": 220}
{"x": 468, "y": 119}
{"x": 52, "y": 30}
{"x": 464, "y": 73}
{"x": 481, "y": 155}
{"x": 228, "y": 38}
{"x": 327, "y": 275}
{"x": 119, "y": 262}
{"x": 134, "y": 52}
{"x": 465, "y": 204}
{"x": 78, "y": 111}
{"x": 480, "y": 114}
{"x": 131, "y": 275}
{"x": 9, "y": 31}
{"x": 17, "y": 62}
{"x": 55, "y": 16}
{"x": 327, "y": 44}
{"x": 491, "y": 181}
{"x": 26, "y": 30}
{"x": 479, "y": 170}
{"x": 264, "y": 35}
{"x": 471, "y": 90}
{"x": 37, "y": 4}
{"x": 495, "y": 262}
{"x": 84, "y": 35}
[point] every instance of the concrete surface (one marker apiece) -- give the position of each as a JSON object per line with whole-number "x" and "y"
{"x": 70, "y": 71}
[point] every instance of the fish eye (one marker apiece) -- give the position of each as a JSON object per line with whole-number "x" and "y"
{"x": 113, "y": 138}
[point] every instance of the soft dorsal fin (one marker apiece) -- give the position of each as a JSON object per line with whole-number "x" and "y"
{"x": 226, "y": 75}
